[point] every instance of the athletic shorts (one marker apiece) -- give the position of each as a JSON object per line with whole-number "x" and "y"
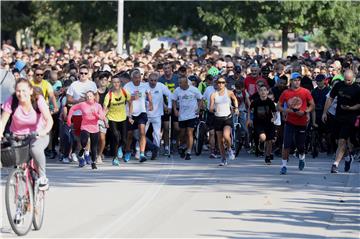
{"x": 76, "y": 120}
{"x": 140, "y": 119}
{"x": 210, "y": 120}
{"x": 345, "y": 128}
{"x": 268, "y": 130}
{"x": 102, "y": 127}
{"x": 190, "y": 123}
{"x": 297, "y": 132}
{"x": 221, "y": 122}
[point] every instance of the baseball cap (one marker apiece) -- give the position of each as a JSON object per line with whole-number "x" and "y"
{"x": 336, "y": 64}
{"x": 295, "y": 75}
{"x": 320, "y": 77}
{"x": 237, "y": 69}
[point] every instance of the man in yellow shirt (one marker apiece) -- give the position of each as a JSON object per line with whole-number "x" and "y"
{"x": 45, "y": 87}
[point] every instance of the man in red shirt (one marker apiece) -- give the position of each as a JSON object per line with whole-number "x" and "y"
{"x": 296, "y": 103}
{"x": 250, "y": 80}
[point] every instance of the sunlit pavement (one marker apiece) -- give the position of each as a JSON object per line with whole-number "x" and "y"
{"x": 197, "y": 198}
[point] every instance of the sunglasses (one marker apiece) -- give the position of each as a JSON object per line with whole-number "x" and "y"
{"x": 39, "y": 74}
{"x": 221, "y": 82}
{"x": 83, "y": 73}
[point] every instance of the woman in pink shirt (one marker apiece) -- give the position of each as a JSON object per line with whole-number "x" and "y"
{"x": 91, "y": 113}
{"x": 31, "y": 114}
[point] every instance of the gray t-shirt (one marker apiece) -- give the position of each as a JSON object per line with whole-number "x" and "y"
{"x": 7, "y": 84}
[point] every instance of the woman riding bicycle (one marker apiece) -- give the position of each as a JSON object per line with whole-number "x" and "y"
{"x": 29, "y": 113}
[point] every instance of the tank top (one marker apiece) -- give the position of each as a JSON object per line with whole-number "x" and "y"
{"x": 222, "y": 104}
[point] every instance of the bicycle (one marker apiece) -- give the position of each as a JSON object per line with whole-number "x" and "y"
{"x": 25, "y": 203}
{"x": 238, "y": 135}
{"x": 200, "y": 133}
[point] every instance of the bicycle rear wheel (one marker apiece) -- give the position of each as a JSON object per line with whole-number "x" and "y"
{"x": 19, "y": 202}
{"x": 238, "y": 140}
{"x": 200, "y": 135}
{"x": 39, "y": 207}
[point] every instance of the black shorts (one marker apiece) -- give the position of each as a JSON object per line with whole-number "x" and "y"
{"x": 345, "y": 128}
{"x": 210, "y": 120}
{"x": 296, "y": 132}
{"x": 268, "y": 130}
{"x": 190, "y": 123}
{"x": 140, "y": 119}
{"x": 221, "y": 122}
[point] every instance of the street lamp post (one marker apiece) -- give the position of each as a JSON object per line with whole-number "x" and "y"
{"x": 120, "y": 26}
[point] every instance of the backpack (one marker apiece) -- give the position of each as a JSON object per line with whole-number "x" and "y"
{"x": 110, "y": 95}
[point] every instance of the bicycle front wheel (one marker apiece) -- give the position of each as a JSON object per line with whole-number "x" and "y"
{"x": 39, "y": 207}
{"x": 19, "y": 202}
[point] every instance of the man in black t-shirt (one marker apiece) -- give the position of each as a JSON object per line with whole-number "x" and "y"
{"x": 264, "y": 112}
{"x": 347, "y": 109}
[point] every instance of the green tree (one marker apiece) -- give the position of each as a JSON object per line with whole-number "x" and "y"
{"x": 14, "y": 16}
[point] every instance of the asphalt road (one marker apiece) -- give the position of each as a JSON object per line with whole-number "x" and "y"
{"x": 176, "y": 198}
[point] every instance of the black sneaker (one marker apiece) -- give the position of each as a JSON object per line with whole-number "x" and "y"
{"x": 154, "y": 153}
{"x": 93, "y": 166}
{"x": 271, "y": 157}
{"x": 348, "y": 164}
{"x": 268, "y": 160}
{"x": 142, "y": 159}
{"x": 187, "y": 156}
{"x": 334, "y": 169}
{"x": 181, "y": 152}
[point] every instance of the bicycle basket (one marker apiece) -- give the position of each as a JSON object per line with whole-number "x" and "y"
{"x": 17, "y": 154}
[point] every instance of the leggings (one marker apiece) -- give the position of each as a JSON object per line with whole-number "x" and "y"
{"x": 94, "y": 141}
{"x": 118, "y": 130}
{"x": 37, "y": 148}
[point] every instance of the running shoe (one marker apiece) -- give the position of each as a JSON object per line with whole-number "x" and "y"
{"x": 213, "y": 156}
{"x": 127, "y": 157}
{"x": 65, "y": 160}
{"x": 181, "y": 152}
{"x": 87, "y": 158}
{"x": 74, "y": 157}
{"x": 116, "y": 162}
{"x": 93, "y": 166}
{"x": 231, "y": 154}
{"x": 154, "y": 153}
{"x": 99, "y": 160}
{"x": 283, "y": 170}
{"x": 301, "y": 164}
{"x": 43, "y": 184}
{"x": 81, "y": 162}
{"x": 334, "y": 169}
{"x": 143, "y": 159}
{"x": 120, "y": 153}
{"x": 268, "y": 160}
{"x": 348, "y": 162}
{"x": 187, "y": 156}
{"x": 223, "y": 163}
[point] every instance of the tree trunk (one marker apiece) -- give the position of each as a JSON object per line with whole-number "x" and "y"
{"x": 284, "y": 41}
{"x": 85, "y": 36}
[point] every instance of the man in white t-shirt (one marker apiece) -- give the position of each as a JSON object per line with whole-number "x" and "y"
{"x": 76, "y": 94}
{"x": 189, "y": 99}
{"x": 158, "y": 91}
{"x": 140, "y": 93}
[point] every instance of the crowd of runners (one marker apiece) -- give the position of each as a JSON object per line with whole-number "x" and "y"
{"x": 85, "y": 105}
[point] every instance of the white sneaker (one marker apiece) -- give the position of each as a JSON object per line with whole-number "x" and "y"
{"x": 43, "y": 184}
{"x": 137, "y": 155}
{"x": 66, "y": 160}
{"x": 99, "y": 160}
{"x": 74, "y": 157}
{"x": 205, "y": 147}
{"x": 231, "y": 154}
